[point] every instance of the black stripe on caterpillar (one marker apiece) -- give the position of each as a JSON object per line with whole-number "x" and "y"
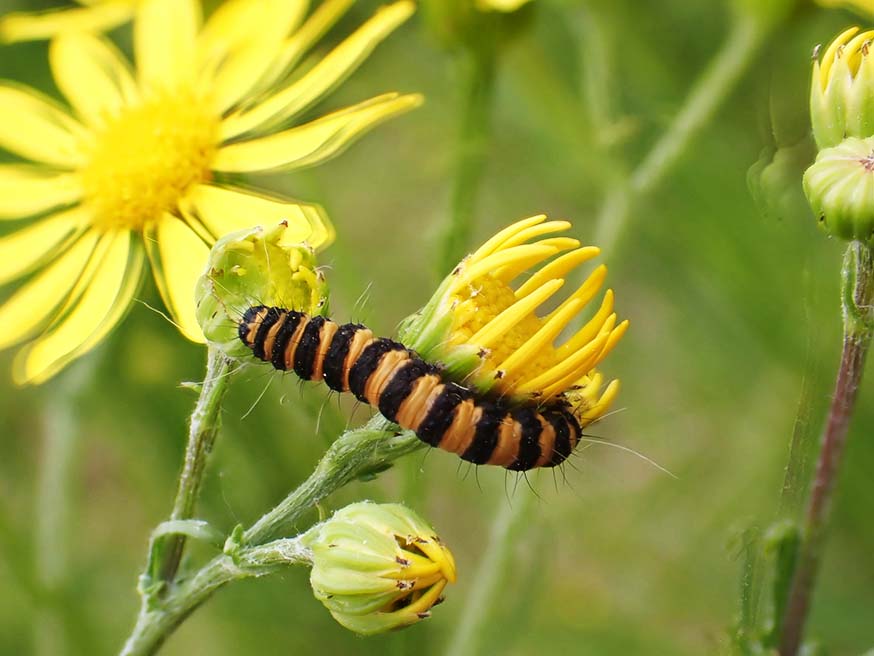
{"x": 411, "y": 392}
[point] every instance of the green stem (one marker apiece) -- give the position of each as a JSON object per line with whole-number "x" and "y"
{"x": 354, "y": 454}
{"x": 485, "y": 584}
{"x": 707, "y": 95}
{"x": 166, "y": 551}
{"x": 478, "y": 84}
{"x": 858, "y": 309}
{"x": 370, "y": 448}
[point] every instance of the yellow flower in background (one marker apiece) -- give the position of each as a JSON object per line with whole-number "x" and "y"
{"x": 131, "y": 172}
{"x": 865, "y": 7}
{"x": 94, "y": 16}
{"x": 500, "y": 5}
{"x": 483, "y": 325}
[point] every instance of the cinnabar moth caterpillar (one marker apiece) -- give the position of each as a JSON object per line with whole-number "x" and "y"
{"x": 411, "y": 392}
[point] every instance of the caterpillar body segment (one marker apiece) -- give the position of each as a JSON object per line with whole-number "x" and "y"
{"x": 410, "y": 391}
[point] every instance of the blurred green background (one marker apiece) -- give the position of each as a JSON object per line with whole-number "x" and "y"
{"x": 735, "y": 337}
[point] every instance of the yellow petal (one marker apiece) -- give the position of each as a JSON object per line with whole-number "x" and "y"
{"x": 29, "y": 307}
{"x": 34, "y": 127}
{"x": 239, "y": 21}
{"x": 241, "y": 41}
{"x": 92, "y": 75}
{"x": 165, "y": 37}
{"x": 223, "y": 210}
{"x": 299, "y": 43}
{"x": 178, "y": 258}
{"x": 101, "y": 298}
{"x": 325, "y": 75}
{"x": 313, "y": 143}
{"x": 44, "y": 25}
{"x": 25, "y": 249}
{"x": 27, "y": 190}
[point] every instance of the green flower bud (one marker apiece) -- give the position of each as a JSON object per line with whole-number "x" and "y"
{"x": 840, "y": 189}
{"x": 256, "y": 266}
{"x": 842, "y": 90}
{"x": 378, "y": 567}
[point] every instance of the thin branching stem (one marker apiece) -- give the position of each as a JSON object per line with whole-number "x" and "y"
{"x": 706, "y": 96}
{"x": 356, "y": 453}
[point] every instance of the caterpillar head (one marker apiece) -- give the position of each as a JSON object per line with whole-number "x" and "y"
{"x": 256, "y": 267}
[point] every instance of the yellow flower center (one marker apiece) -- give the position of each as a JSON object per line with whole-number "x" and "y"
{"x": 480, "y": 302}
{"x": 147, "y": 159}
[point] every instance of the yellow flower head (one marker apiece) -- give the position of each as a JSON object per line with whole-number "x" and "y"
{"x": 132, "y": 172}
{"x": 94, "y": 16}
{"x": 485, "y": 327}
{"x": 842, "y": 89}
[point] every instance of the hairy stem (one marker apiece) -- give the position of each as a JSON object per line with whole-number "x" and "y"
{"x": 858, "y": 298}
{"x": 204, "y": 427}
{"x": 356, "y": 453}
{"x": 478, "y": 82}
{"x": 372, "y": 447}
{"x": 704, "y": 99}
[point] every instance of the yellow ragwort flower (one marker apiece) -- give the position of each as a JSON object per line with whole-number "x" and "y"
{"x": 131, "y": 173}
{"x": 505, "y": 6}
{"x": 484, "y": 327}
{"x": 94, "y": 16}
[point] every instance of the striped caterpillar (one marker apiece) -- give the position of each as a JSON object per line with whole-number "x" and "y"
{"x": 411, "y": 392}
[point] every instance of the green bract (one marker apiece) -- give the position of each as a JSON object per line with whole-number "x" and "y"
{"x": 378, "y": 567}
{"x": 256, "y": 267}
{"x": 840, "y": 189}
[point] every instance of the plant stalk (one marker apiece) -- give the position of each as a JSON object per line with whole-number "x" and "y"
{"x": 166, "y": 553}
{"x": 858, "y": 298}
{"x": 478, "y": 85}
{"x": 706, "y": 96}
{"x": 357, "y": 453}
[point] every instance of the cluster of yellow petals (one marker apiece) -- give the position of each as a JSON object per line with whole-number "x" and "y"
{"x": 849, "y": 47}
{"x": 517, "y": 345}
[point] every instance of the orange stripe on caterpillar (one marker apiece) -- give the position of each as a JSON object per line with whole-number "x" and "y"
{"x": 411, "y": 392}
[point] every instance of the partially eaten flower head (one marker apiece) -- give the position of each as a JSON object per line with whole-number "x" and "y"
{"x": 133, "y": 172}
{"x": 378, "y": 567}
{"x": 483, "y": 323}
{"x": 266, "y": 264}
{"x": 842, "y": 89}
